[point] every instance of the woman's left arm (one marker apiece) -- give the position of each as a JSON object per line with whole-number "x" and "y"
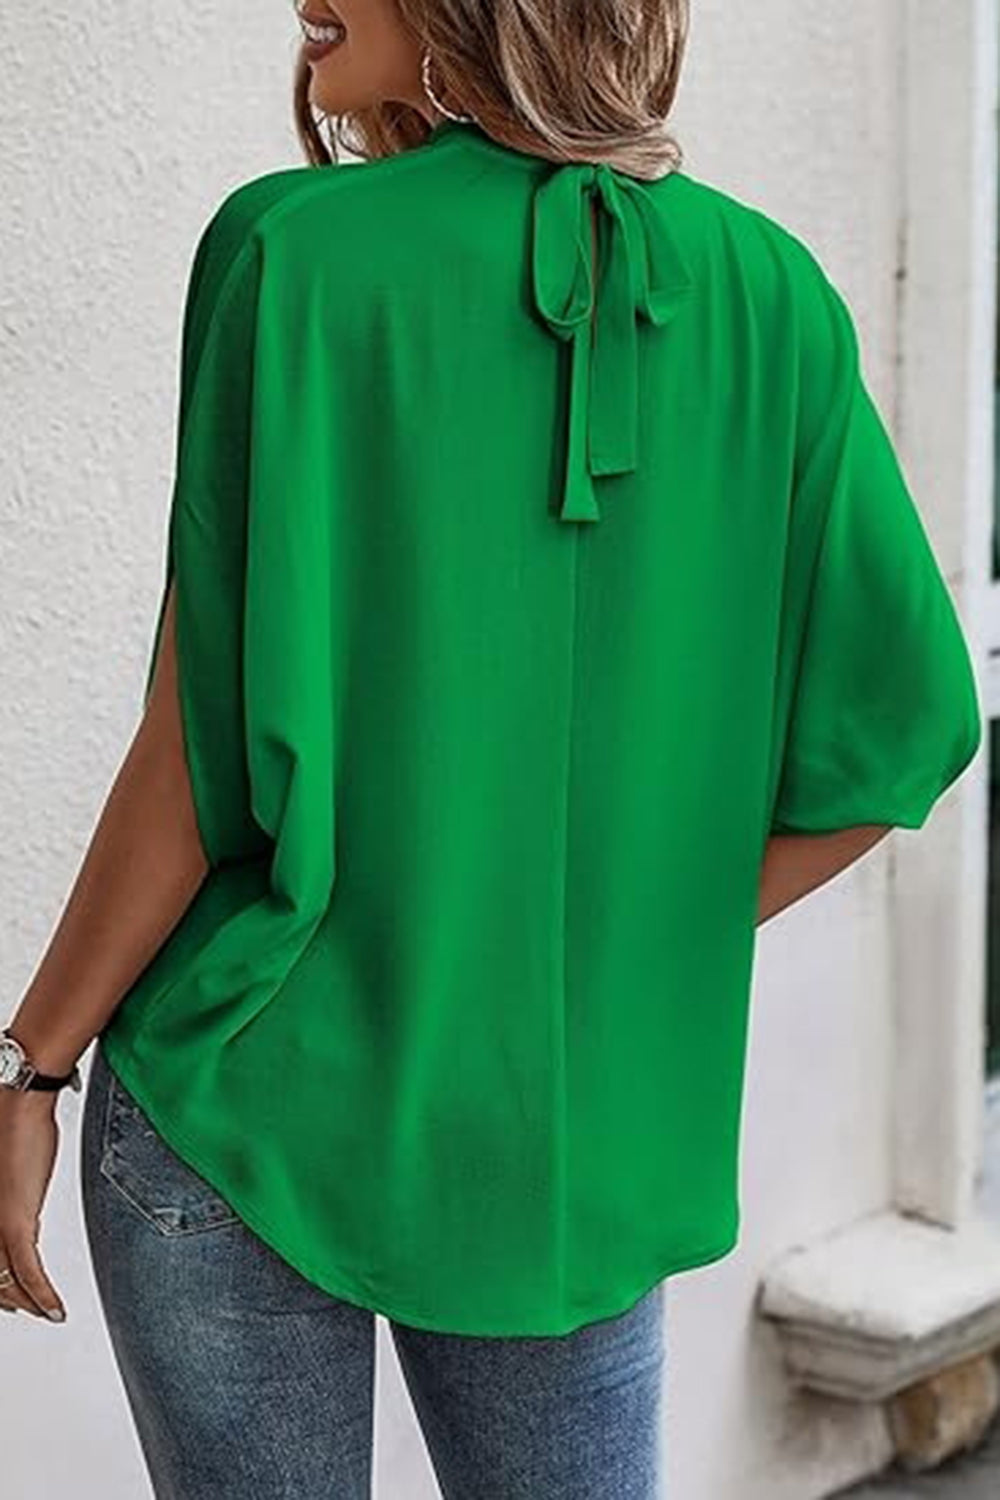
{"x": 140, "y": 873}
{"x": 795, "y": 864}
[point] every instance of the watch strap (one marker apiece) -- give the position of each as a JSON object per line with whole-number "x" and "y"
{"x": 31, "y": 1078}
{"x": 52, "y": 1081}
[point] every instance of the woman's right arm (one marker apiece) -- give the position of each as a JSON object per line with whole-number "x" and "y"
{"x": 142, "y": 869}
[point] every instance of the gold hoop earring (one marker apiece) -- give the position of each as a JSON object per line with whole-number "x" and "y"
{"x": 425, "y": 74}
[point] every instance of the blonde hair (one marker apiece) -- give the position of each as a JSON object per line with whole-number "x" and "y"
{"x": 582, "y": 80}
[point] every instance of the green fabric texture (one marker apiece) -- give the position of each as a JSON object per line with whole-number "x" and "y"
{"x": 517, "y": 605}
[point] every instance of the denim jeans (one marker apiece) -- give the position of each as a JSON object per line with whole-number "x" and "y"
{"x": 246, "y": 1381}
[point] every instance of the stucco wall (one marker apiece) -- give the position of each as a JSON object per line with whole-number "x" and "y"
{"x": 122, "y": 129}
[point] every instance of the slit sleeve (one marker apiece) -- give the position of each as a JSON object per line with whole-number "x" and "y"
{"x": 883, "y": 712}
{"x": 246, "y": 554}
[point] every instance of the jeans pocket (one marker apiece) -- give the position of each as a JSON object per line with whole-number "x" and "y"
{"x": 136, "y": 1159}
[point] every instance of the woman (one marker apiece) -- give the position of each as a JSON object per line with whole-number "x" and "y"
{"x": 532, "y": 537}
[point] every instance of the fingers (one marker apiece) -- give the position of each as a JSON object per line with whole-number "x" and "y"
{"x": 12, "y": 1296}
{"x": 29, "y": 1134}
{"x": 31, "y": 1290}
{"x": 8, "y": 1290}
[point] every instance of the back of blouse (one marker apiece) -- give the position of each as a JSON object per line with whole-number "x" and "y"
{"x": 516, "y": 607}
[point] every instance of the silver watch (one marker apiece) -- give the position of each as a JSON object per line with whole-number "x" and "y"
{"x": 18, "y": 1072}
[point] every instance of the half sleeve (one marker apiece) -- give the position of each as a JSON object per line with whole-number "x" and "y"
{"x": 207, "y": 541}
{"x": 883, "y": 712}
{"x": 249, "y": 562}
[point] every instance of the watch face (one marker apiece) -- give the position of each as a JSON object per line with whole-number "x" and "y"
{"x": 11, "y": 1058}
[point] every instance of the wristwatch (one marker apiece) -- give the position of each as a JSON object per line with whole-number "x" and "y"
{"x": 17, "y": 1072}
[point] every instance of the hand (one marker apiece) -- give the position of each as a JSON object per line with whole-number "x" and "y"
{"x": 29, "y": 1138}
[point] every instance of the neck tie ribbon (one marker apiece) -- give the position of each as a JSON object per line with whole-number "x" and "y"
{"x": 643, "y": 275}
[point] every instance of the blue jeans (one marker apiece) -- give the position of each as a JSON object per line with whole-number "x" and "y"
{"x": 247, "y": 1382}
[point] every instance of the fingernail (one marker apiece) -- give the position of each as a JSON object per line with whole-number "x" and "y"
{"x": 56, "y": 1314}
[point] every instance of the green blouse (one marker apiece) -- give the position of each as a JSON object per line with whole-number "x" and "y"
{"x": 506, "y": 635}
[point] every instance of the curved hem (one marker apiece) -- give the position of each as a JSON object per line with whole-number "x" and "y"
{"x": 343, "y": 1287}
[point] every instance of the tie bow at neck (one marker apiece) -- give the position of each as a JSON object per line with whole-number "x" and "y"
{"x": 642, "y": 274}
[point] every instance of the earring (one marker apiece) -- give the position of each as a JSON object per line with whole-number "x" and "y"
{"x": 425, "y": 73}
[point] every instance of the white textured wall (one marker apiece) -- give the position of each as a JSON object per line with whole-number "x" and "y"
{"x": 122, "y": 127}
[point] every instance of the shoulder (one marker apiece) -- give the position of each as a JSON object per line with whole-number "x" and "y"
{"x": 753, "y": 254}
{"x": 248, "y": 205}
{"x": 273, "y": 229}
{"x": 239, "y": 221}
{"x": 746, "y": 224}
{"x": 283, "y": 205}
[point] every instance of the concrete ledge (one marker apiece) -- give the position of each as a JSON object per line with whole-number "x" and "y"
{"x": 885, "y": 1302}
